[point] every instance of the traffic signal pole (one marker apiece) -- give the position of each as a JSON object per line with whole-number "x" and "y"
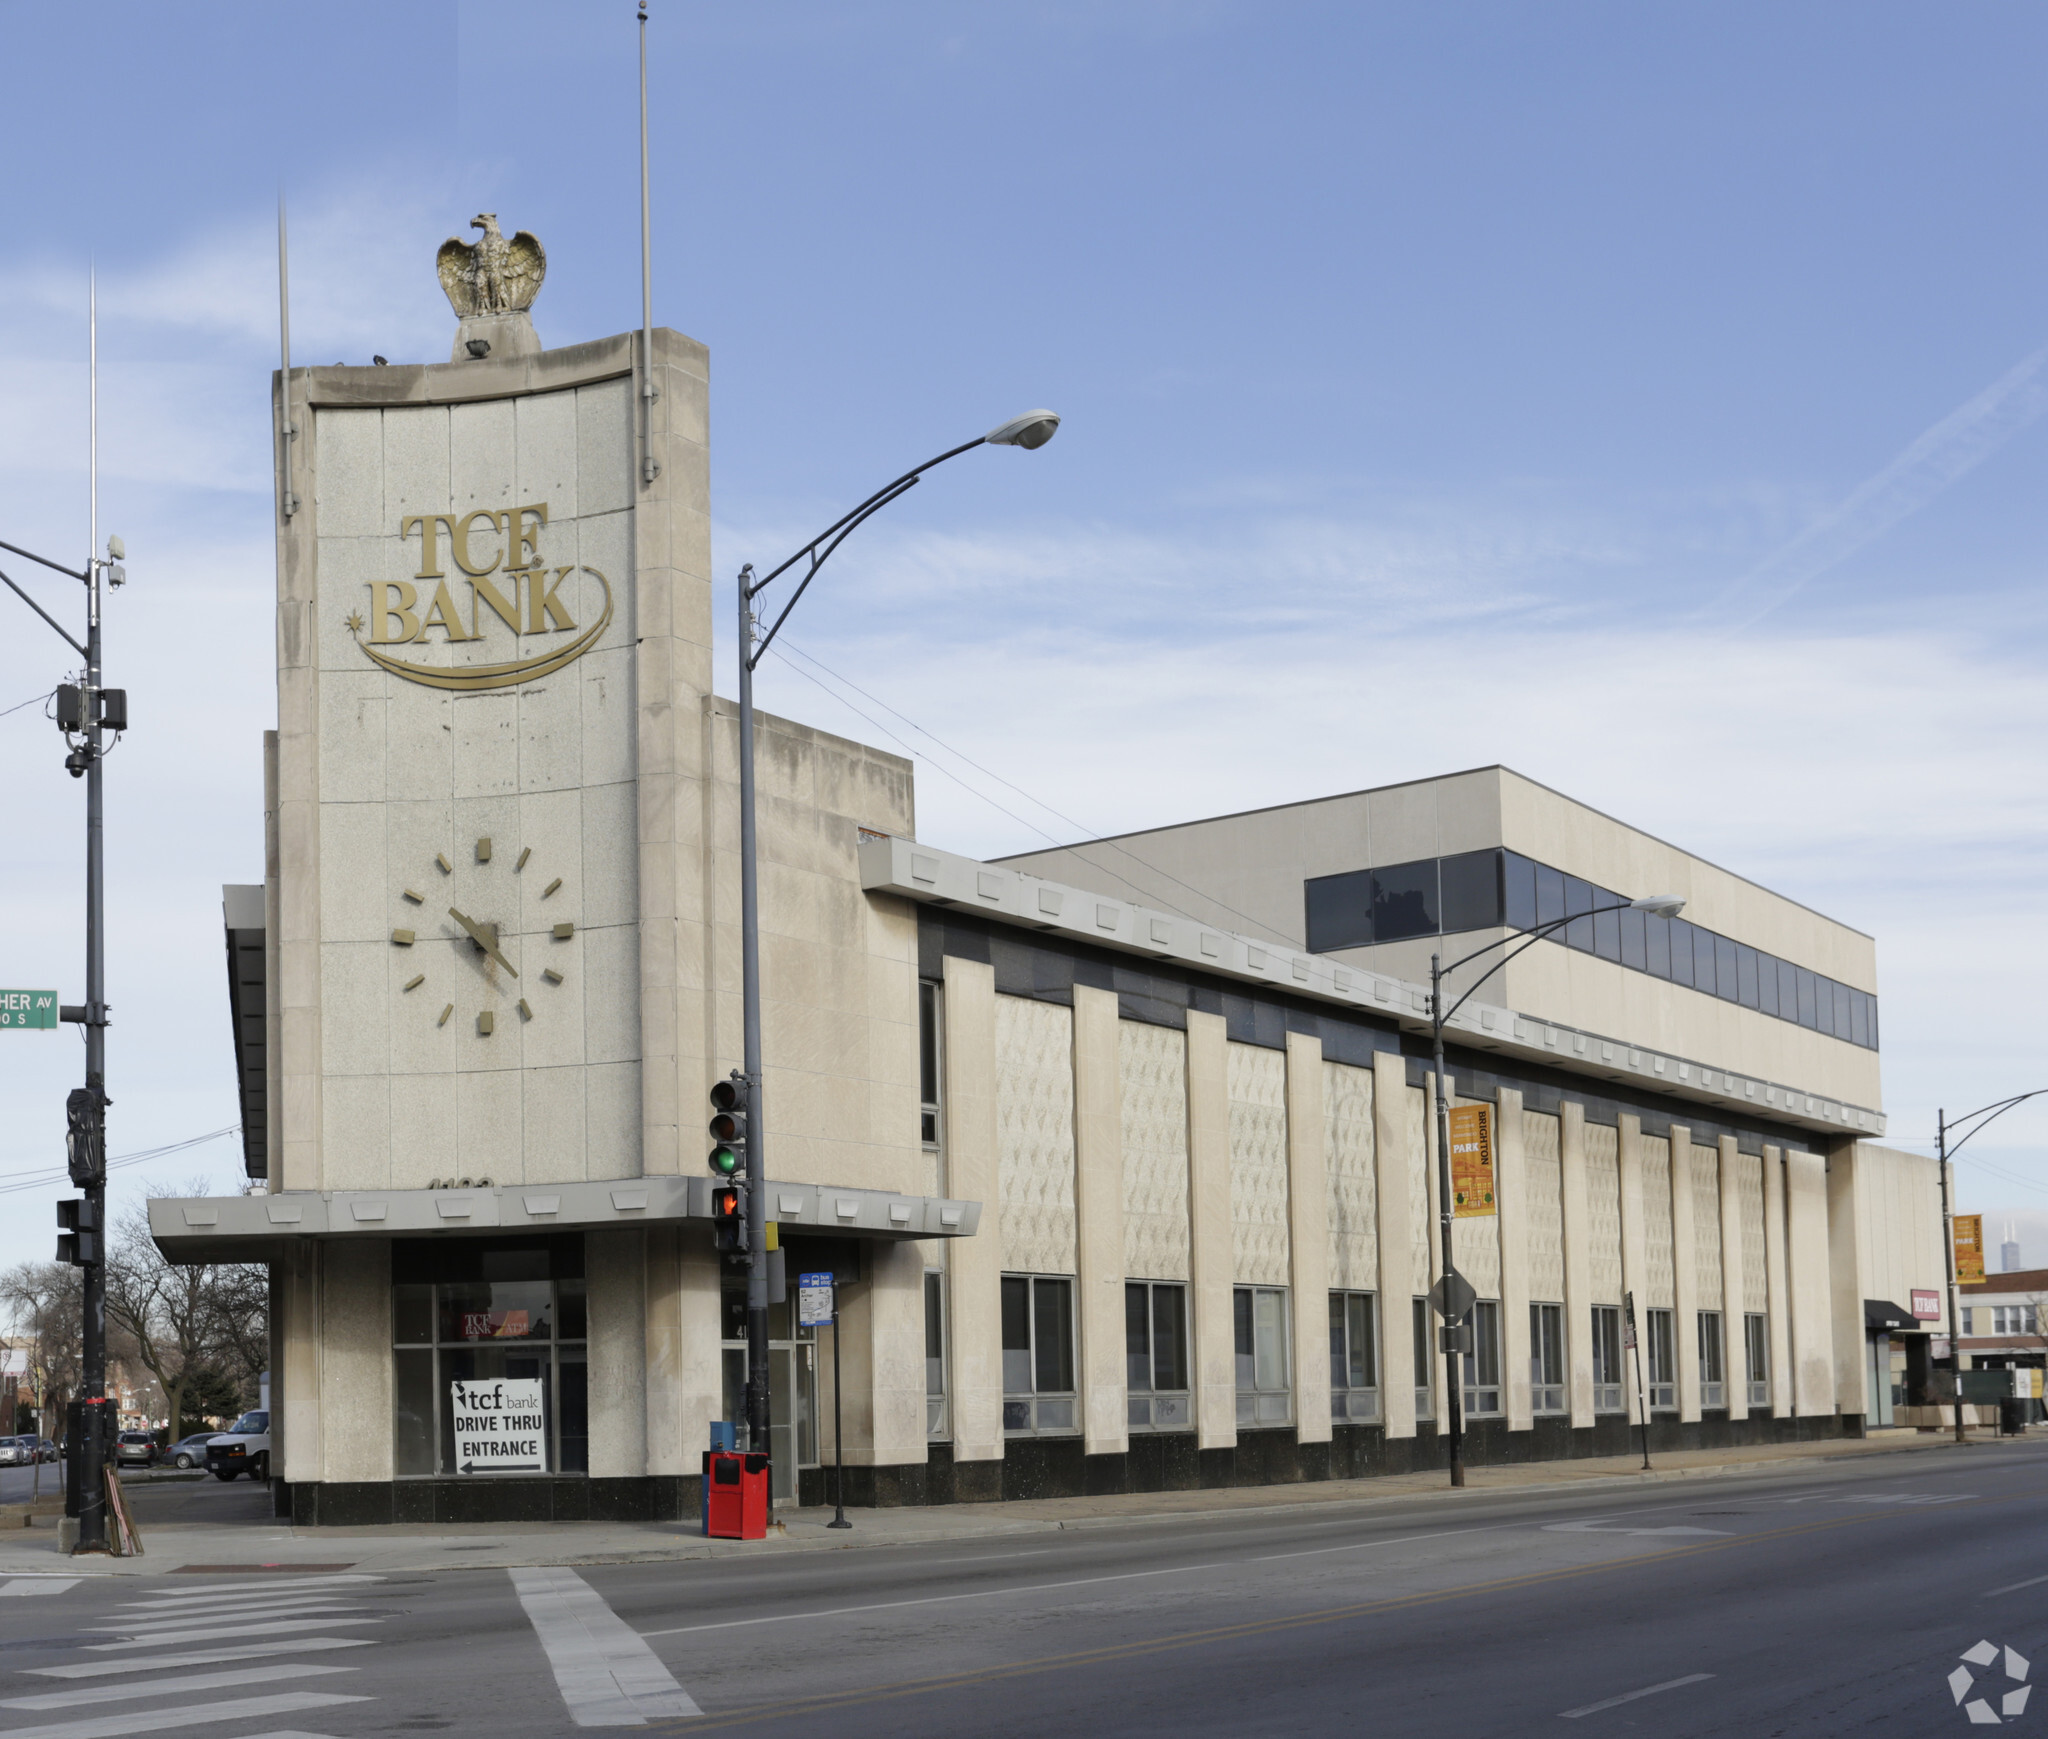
{"x": 92, "y": 1489}
{"x": 750, "y": 1048}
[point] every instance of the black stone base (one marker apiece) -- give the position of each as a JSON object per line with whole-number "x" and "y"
{"x": 368, "y": 1503}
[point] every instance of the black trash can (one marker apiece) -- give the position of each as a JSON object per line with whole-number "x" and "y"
{"x": 2012, "y": 1416}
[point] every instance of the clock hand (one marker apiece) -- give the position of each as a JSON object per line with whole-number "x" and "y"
{"x": 483, "y": 940}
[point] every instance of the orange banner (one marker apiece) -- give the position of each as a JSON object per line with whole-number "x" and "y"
{"x": 1472, "y": 1161}
{"x": 1969, "y": 1246}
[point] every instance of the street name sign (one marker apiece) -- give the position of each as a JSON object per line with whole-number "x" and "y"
{"x": 28, "y": 1008}
{"x": 501, "y": 1425}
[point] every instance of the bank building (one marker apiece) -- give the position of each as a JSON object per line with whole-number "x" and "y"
{"x": 1121, "y": 1154}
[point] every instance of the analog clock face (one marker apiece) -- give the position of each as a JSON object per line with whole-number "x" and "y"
{"x": 470, "y": 956}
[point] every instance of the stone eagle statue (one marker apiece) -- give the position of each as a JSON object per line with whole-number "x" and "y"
{"x": 492, "y": 276}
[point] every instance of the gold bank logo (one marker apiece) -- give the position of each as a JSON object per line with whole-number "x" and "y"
{"x": 511, "y": 591}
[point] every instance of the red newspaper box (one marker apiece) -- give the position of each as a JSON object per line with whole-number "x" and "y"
{"x": 737, "y": 1488}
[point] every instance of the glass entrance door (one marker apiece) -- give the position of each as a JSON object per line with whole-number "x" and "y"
{"x": 792, "y": 1410}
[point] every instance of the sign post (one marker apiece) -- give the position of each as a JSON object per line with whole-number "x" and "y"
{"x": 28, "y": 1008}
{"x": 817, "y": 1304}
{"x": 1628, "y": 1320}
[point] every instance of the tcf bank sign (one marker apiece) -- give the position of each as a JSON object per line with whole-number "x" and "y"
{"x": 500, "y": 1426}
{"x": 511, "y": 592}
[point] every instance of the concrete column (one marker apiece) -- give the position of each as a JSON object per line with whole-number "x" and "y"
{"x": 1806, "y": 1262}
{"x": 1398, "y": 1282}
{"x": 1635, "y": 1272}
{"x": 1209, "y": 1251}
{"x": 1578, "y": 1274}
{"x": 671, "y": 1447}
{"x": 1845, "y": 1285}
{"x": 296, "y": 1283}
{"x": 882, "y": 1363}
{"x": 1685, "y": 1290}
{"x": 1443, "y": 1367}
{"x": 698, "y": 1381}
{"x": 355, "y": 1359}
{"x": 975, "y": 1272}
{"x": 1511, "y": 1199}
{"x": 616, "y": 1262}
{"x": 1308, "y": 1236}
{"x": 1734, "y": 1331}
{"x": 1775, "y": 1283}
{"x": 1099, "y": 1221}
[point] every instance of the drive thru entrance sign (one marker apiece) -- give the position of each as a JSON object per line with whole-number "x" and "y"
{"x": 501, "y": 1425}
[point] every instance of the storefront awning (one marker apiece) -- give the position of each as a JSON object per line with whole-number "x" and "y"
{"x": 1882, "y": 1317}
{"x": 195, "y": 1229}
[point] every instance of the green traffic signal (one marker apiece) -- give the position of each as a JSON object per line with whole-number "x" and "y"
{"x": 726, "y": 1161}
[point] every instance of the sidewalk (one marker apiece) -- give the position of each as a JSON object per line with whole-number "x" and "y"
{"x": 257, "y": 1546}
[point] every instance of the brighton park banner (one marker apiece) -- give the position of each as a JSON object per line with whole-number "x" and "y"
{"x": 1472, "y": 1161}
{"x": 1969, "y": 1229}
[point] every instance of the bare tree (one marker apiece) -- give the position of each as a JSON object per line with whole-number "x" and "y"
{"x": 46, "y": 1301}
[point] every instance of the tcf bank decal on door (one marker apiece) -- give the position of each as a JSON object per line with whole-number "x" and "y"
{"x": 500, "y": 1426}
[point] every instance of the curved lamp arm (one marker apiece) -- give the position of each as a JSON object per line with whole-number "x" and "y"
{"x": 1662, "y": 905}
{"x": 1988, "y": 1113}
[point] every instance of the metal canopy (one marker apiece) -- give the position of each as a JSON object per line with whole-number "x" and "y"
{"x": 1883, "y": 1317}
{"x": 191, "y": 1230}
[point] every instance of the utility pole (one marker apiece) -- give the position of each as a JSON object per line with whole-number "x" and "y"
{"x": 1948, "y": 1239}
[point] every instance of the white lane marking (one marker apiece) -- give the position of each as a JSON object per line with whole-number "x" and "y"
{"x": 1401, "y": 1540}
{"x": 2014, "y": 1587}
{"x": 197, "y": 1715}
{"x": 925, "y": 1600}
{"x": 1594, "y": 1708}
{"x": 190, "y": 1682}
{"x": 1595, "y": 1527}
{"x": 39, "y": 1584}
{"x": 203, "y": 1657}
{"x": 252, "y": 1584}
{"x": 1908, "y": 1497}
{"x": 157, "y": 1639}
{"x": 607, "y": 1675}
{"x": 164, "y": 1617}
{"x": 985, "y": 1558}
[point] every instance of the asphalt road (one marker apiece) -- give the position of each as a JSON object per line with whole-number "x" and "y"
{"x": 1833, "y": 1599}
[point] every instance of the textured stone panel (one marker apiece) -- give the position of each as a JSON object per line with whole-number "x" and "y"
{"x": 1035, "y": 1135}
{"x": 1351, "y": 1178}
{"x": 1152, "y": 1063}
{"x": 1543, "y": 1179}
{"x": 1706, "y": 1226}
{"x": 1421, "y": 1228}
{"x": 1658, "y": 1258}
{"x": 1258, "y": 1164}
{"x": 1475, "y": 1241}
{"x": 1603, "y": 1212}
{"x": 1749, "y": 1184}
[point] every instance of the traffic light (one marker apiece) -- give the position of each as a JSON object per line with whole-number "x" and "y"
{"x": 729, "y": 1219}
{"x": 729, "y": 1126}
{"x": 78, "y": 1232}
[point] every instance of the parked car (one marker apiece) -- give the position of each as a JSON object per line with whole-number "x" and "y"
{"x": 17, "y": 1451}
{"x": 135, "y": 1449}
{"x": 190, "y": 1451}
{"x": 243, "y": 1448}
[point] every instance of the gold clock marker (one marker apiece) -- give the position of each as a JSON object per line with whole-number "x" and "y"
{"x": 403, "y": 938}
{"x": 483, "y": 850}
{"x": 551, "y": 975}
{"x": 564, "y": 931}
{"x": 416, "y": 981}
{"x": 486, "y": 1023}
{"x": 524, "y": 854}
{"x": 550, "y": 888}
{"x": 445, "y": 1013}
{"x": 525, "y": 1013}
{"x": 441, "y": 858}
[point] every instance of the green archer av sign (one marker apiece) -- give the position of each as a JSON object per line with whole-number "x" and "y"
{"x": 28, "y": 1008}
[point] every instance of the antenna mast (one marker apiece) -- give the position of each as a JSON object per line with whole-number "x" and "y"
{"x": 649, "y": 470}
{"x": 285, "y": 431}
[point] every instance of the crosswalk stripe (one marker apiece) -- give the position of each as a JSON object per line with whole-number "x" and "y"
{"x": 225, "y": 1602}
{"x": 195, "y": 1715}
{"x": 39, "y": 1584}
{"x": 158, "y": 1618}
{"x": 607, "y": 1674}
{"x": 159, "y": 1687}
{"x": 204, "y": 1657}
{"x": 254, "y": 1584}
{"x": 212, "y": 1635}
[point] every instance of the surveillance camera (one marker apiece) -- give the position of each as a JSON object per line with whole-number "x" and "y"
{"x": 116, "y": 550}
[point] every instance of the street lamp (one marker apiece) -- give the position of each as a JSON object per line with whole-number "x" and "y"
{"x": 1942, "y": 1126}
{"x": 1658, "y": 906}
{"x": 1030, "y": 431}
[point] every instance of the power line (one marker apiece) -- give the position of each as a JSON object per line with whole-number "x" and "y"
{"x": 43, "y": 1178}
{"x": 31, "y": 701}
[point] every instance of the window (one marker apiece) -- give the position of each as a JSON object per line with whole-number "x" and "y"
{"x": 1482, "y": 1363}
{"x": 1713, "y": 1390}
{"x": 928, "y": 1061}
{"x": 1264, "y": 1391}
{"x": 1634, "y": 935}
{"x": 2009, "y": 1319}
{"x": 1969, "y": 1317}
{"x": 1354, "y": 1356}
{"x": 1038, "y": 1354}
{"x": 1607, "y": 1377}
{"x": 1425, "y": 1359}
{"x": 1156, "y": 1354}
{"x": 1663, "y": 1359}
{"x": 1339, "y": 911}
{"x": 1682, "y": 952}
{"x": 1469, "y": 886}
{"x": 1404, "y": 900}
{"x": 476, "y": 1311}
{"x": 1546, "y": 1357}
{"x": 1606, "y": 928}
{"x": 1745, "y": 975}
{"x": 1657, "y": 934}
{"x": 935, "y": 1423}
{"x": 1518, "y": 891}
{"x": 1704, "y": 956}
{"x": 1756, "y": 1340}
{"x": 1579, "y": 897}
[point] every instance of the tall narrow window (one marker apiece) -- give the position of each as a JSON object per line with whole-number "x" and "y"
{"x": 1713, "y": 1390}
{"x": 1264, "y": 1388}
{"x": 935, "y": 1421}
{"x": 1756, "y": 1340}
{"x": 1354, "y": 1356}
{"x": 1425, "y": 1359}
{"x": 1482, "y": 1363}
{"x": 1546, "y": 1358}
{"x": 1156, "y": 1354}
{"x": 1662, "y": 1348}
{"x": 1607, "y": 1376}
{"x": 1038, "y": 1354}
{"x": 928, "y": 1062}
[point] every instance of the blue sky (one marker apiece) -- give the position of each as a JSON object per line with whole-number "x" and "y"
{"x": 1672, "y": 376}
